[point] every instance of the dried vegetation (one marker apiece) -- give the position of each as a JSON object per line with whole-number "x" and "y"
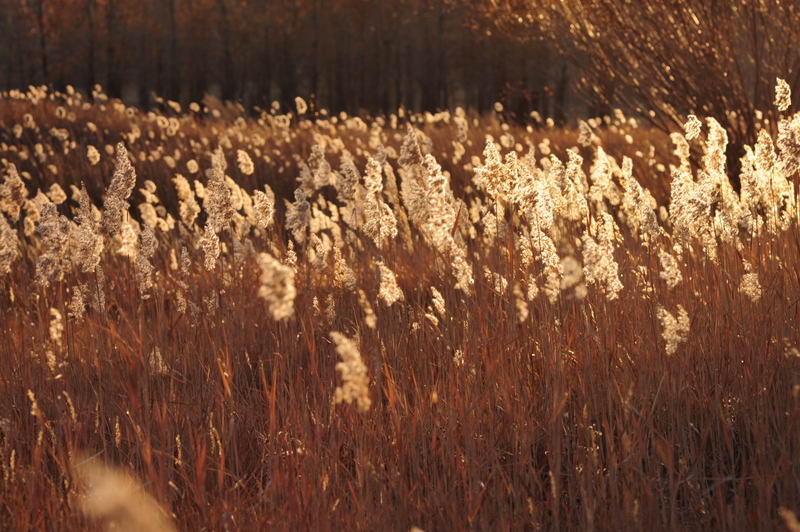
{"x": 435, "y": 321}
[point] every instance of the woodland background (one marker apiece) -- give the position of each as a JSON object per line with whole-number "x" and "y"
{"x": 342, "y": 55}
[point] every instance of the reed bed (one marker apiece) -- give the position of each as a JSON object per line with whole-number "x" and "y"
{"x": 219, "y": 319}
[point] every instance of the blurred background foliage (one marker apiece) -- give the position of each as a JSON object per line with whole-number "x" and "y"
{"x": 342, "y": 55}
{"x": 564, "y": 59}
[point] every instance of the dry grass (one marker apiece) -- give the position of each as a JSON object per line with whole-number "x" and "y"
{"x": 574, "y": 417}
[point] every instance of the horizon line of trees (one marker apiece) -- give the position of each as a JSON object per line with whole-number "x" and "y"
{"x": 342, "y": 55}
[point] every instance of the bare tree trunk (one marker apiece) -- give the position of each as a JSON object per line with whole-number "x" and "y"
{"x": 172, "y": 50}
{"x": 113, "y": 84}
{"x": 265, "y": 72}
{"x": 6, "y": 43}
{"x": 91, "y": 74}
{"x": 227, "y": 67}
{"x": 381, "y": 67}
{"x": 440, "y": 59}
{"x": 42, "y": 40}
{"x": 315, "y": 49}
{"x": 562, "y": 85}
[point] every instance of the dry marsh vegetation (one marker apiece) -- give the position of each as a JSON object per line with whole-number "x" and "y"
{"x": 214, "y": 319}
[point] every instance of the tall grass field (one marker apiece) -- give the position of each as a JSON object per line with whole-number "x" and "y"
{"x": 219, "y": 318}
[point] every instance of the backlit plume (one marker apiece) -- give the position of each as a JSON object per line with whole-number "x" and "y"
{"x": 353, "y": 372}
{"x": 277, "y": 286}
{"x": 115, "y": 498}
{"x": 783, "y": 95}
{"x": 116, "y": 202}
